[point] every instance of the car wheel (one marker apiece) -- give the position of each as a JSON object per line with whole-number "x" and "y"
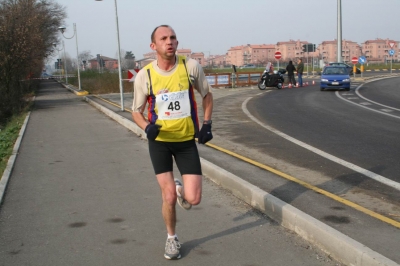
{"x": 321, "y": 89}
{"x": 347, "y": 89}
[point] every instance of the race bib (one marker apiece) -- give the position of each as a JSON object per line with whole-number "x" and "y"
{"x": 173, "y": 105}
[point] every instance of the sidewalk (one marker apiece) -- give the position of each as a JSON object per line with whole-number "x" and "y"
{"x": 83, "y": 192}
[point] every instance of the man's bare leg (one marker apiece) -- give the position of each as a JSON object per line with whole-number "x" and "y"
{"x": 168, "y": 192}
{"x": 192, "y": 188}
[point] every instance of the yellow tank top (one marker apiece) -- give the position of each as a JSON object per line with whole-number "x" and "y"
{"x": 172, "y": 104}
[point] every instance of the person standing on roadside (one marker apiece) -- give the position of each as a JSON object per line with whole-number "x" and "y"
{"x": 300, "y": 69}
{"x": 167, "y": 85}
{"x": 290, "y": 70}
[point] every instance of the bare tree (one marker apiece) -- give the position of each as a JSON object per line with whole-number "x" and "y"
{"x": 84, "y": 57}
{"x": 28, "y": 29}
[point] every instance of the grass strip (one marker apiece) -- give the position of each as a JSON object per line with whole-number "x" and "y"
{"x": 8, "y": 135}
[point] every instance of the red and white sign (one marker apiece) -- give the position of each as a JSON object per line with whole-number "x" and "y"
{"x": 132, "y": 74}
{"x": 391, "y": 44}
{"x": 354, "y": 60}
{"x": 278, "y": 55}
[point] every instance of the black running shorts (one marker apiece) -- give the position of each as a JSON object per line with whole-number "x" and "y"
{"x": 185, "y": 153}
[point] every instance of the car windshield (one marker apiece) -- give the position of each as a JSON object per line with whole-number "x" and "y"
{"x": 339, "y": 64}
{"x": 335, "y": 71}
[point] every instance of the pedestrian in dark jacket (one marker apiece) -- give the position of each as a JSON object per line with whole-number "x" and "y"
{"x": 300, "y": 69}
{"x": 290, "y": 70}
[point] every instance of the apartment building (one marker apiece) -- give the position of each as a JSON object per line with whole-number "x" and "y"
{"x": 291, "y": 50}
{"x": 327, "y": 50}
{"x": 257, "y": 54}
{"x": 218, "y": 60}
{"x": 377, "y": 51}
{"x": 199, "y": 57}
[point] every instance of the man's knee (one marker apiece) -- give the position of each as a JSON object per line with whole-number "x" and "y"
{"x": 193, "y": 199}
{"x": 192, "y": 188}
{"x": 170, "y": 198}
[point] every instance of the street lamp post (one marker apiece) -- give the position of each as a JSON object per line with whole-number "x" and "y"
{"x": 121, "y": 88}
{"x": 62, "y": 29}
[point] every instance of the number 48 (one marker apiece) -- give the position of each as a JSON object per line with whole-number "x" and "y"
{"x": 174, "y": 106}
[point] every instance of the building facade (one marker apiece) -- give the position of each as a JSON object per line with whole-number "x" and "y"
{"x": 377, "y": 51}
{"x": 218, "y": 60}
{"x": 328, "y": 51}
{"x": 199, "y": 57}
{"x": 109, "y": 63}
{"x": 291, "y": 50}
{"x": 256, "y": 54}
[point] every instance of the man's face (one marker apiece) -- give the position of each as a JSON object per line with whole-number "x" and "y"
{"x": 165, "y": 42}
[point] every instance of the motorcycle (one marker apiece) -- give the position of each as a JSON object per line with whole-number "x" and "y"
{"x": 271, "y": 80}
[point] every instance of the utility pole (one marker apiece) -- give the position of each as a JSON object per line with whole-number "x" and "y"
{"x": 339, "y": 30}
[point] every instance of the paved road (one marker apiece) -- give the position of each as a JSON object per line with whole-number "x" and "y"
{"x": 83, "y": 192}
{"x": 235, "y": 131}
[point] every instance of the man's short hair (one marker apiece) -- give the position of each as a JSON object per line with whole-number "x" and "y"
{"x": 154, "y": 31}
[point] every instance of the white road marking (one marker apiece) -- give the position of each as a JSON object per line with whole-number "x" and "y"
{"x": 326, "y": 155}
{"x": 363, "y": 105}
{"x": 359, "y": 94}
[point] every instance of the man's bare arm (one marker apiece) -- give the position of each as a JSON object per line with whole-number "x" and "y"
{"x": 139, "y": 119}
{"x": 208, "y": 106}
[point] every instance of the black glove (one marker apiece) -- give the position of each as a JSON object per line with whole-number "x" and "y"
{"x": 152, "y": 131}
{"x": 205, "y": 134}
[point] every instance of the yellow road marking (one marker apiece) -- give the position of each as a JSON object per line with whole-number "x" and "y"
{"x": 293, "y": 179}
{"x": 309, "y": 186}
{"x": 112, "y": 103}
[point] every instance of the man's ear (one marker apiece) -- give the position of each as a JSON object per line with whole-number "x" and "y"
{"x": 153, "y": 46}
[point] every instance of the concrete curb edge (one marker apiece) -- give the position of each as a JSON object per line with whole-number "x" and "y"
{"x": 333, "y": 242}
{"x": 73, "y": 89}
{"x": 11, "y": 161}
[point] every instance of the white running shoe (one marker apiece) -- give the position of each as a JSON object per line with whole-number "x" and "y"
{"x": 172, "y": 249}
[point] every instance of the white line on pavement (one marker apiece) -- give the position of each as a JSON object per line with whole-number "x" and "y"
{"x": 326, "y": 155}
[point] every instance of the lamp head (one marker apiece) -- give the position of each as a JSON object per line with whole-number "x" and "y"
{"x": 62, "y": 29}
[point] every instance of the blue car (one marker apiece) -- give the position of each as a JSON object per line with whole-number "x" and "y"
{"x": 335, "y": 77}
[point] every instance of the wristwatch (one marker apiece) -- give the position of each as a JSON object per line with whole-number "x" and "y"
{"x": 207, "y": 122}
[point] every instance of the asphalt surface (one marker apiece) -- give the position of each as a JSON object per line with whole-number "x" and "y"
{"x": 82, "y": 192}
{"x": 234, "y": 131}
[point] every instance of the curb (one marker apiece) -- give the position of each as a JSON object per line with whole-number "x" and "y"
{"x": 331, "y": 241}
{"x": 11, "y": 161}
{"x": 74, "y": 90}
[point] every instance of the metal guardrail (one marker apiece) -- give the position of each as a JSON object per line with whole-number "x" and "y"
{"x": 231, "y": 80}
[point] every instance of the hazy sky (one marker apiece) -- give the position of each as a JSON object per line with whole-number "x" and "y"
{"x": 214, "y": 26}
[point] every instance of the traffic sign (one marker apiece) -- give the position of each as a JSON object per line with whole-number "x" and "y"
{"x": 278, "y": 55}
{"x": 354, "y": 60}
{"x": 391, "y": 52}
{"x": 362, "y": 60}
{"x": 132, "y": 74}
{"x": 391, "y": 44}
